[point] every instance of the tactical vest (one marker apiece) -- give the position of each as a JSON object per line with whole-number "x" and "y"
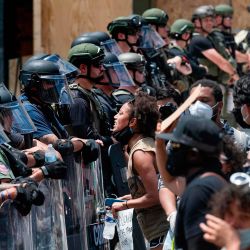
{"x": 218, "y": 42}
{"x": 230, "y": 42}
{"x": 97, "y": 114}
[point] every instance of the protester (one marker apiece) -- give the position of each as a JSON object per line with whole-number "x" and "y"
{"x": 135, "y": 126}
{"x": 194, "y": 154}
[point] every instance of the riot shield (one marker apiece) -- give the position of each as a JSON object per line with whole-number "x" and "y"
{"x": 48, "y": 225}
{"x": 94, "y": 204}
{"x": 119, "y": 168}
{"x": 73, "y": 190}
{"x": 15, "y": 230}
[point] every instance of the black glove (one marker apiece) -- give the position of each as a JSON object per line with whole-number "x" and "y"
{"x": 28, "y": 194}
{"x": 39, "y": 157}
{"x": 90, "y": 151}
{"x": 17, "y": 161}
{"x": 19, "y": 155}
{"x": 64, "y": 147}
{"x": 55, "y": 170}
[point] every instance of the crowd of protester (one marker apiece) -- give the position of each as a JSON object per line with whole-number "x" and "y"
{"x": 188, "y": 183}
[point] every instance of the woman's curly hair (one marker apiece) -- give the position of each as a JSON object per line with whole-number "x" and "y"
{"x": 147, "y": 114}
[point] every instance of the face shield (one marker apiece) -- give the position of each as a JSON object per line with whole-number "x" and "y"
{"x": 111, "y": 46}
{"x": 118, "y": 75}
{"x": 14, "y": 118}
{"x": 65, "y": 67}
{"x": 149, "y": 38}
{"x": 54, "y": 89}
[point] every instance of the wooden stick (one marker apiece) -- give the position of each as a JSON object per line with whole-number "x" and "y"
{"x": 169, "y": 120}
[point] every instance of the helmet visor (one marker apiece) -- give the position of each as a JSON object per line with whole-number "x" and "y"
{"x": 149, "y": 38}
{"x": 111, "y": 46}
{"x": 119, "y": 75}
{"x": 55, "y": 89}
{"x": 65, "y": 67}
{"x": 15, "y": 118}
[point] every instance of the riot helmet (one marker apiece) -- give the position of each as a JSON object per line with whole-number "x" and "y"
{"x": 203, "y": 11}
{"x": 158, "y": 18}
{"x": 180, "y": 27}
{"x": 129, "y": 25}
{"x": 115, "y": 72}
{"x": 88, "y": 54}
{"x": 155, "y": 16}
{"x": 13, "y": 116}
{"x": 224, "y": 10}
{"x": 134, "y": 62}
{"x": 43, "y": 79}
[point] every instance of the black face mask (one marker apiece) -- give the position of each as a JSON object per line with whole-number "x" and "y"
{"x": 177, "y": 162}
{"x": 124, "y": 135}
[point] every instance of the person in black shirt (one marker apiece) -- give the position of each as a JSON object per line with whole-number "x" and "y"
{"x": 194, "y": 154}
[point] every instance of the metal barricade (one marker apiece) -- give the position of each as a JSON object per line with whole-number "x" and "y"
{"x": 73, "y": 190}
{"x": 15, "y": 230}
{"x": 48, "y": 223}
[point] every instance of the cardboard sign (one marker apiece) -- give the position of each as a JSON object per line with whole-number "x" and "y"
{"x": 124, "y": 229}
{"x": 168, "y": 121}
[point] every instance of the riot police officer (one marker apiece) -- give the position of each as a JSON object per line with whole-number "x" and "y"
{"x": 126, "y": 31}
{"x": 158, "y": 19}
{"x": 223, "y": 19}
{"x": 181, "y": 33}
{"x": 86, "y": 114}
{"x": 208, "y": 49}
{"x": 44, "y": 84}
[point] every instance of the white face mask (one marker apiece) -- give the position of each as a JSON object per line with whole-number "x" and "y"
{"x": 201, "y": 109}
